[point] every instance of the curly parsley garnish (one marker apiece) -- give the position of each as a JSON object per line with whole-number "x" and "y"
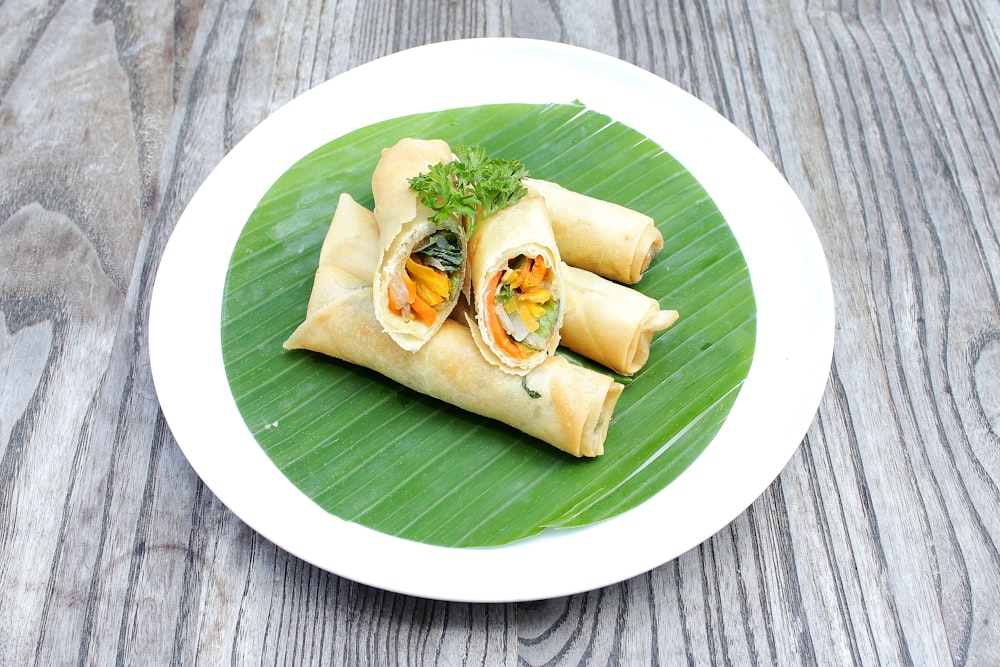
{"x": 472, "y": 187}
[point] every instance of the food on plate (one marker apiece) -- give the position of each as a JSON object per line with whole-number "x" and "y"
{"x": 610, "y": 323}
{"x": 515, "y": 273}
{"x": 422, "y": 261}
{"x": 602, "y": 237}
{"x": 562, "y": 404}
{"x": 466, "y": 278}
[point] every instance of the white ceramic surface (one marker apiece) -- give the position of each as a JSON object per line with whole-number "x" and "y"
{"x": 795, "y": 326}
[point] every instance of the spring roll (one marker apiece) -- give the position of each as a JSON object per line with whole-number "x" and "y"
{"x": 610, "y": 240}
{"x": 564, "y": 405}
{"x": 422, "y": 264}
{"x": 610, "y": 323}
{"x": 514, "y": 269}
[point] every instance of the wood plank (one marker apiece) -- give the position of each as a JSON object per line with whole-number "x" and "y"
{"x": 876, "y": 545}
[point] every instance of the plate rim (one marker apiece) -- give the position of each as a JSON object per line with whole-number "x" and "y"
{"x": 541, "y": 566}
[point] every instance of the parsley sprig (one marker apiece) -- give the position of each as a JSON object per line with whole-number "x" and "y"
{"x": 472, "y": 187}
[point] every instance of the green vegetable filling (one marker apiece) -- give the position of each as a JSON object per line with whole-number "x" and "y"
{"x": 442, "y": 250}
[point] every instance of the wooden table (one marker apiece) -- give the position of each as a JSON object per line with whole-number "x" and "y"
{"x": 878, "y": 543}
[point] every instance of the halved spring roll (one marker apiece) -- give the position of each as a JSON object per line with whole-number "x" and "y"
{"x": 514, "y": 269}
{"x": 610, "y": 323}
{"x": 421, "y": 266}
{"x": 602, "y": 237}
{"x": 562, "y": 404}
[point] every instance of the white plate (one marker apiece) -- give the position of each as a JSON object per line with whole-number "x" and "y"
{"x": 766, "y": 424}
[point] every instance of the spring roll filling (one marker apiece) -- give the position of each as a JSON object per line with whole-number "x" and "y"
{"x": 524, "y": 312}
{"x": 429, "y": 280}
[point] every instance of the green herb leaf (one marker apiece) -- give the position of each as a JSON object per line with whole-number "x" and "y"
{"x": 442, "y": 250}
{"x": 505, "y": 294}
{"x": 472, "y": 187}
{"x": 547, "y": 322}
{"x": 531, "y": 392}
{"x": 439, "y": 193}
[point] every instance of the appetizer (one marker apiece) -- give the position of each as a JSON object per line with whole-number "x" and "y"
{"x": 531, "y": 264}
{"x": 562, "y": 404}
{"x": 515, "y": 269}
{"x": 602, "y": 237}
{"x": 610, "y": 323}
{"x": 422, "y": 261}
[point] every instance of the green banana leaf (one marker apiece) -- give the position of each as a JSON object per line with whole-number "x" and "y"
{"x": 373, "y": 452}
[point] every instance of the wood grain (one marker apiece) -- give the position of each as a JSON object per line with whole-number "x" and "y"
{"x": 878, "y": 544}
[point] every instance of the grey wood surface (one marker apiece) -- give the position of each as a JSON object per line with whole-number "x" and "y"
{"x": 878, "y": 544}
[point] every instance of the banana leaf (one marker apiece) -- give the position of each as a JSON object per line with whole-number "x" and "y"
{"x": 373, "y": 452}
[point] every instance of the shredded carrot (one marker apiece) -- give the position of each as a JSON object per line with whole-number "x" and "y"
{"x": 424, "y": 312}
{"x": 503, "y": 339}
{"x": 536, "y": 274}
{"x": 417, "y": 306}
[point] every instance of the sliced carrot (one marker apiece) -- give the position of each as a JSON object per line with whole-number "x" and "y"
{"x": 491, "y": 289}
{"x": 424, "y": 313}
{"x": 503, "y": 339}
{"x": 513, "y": 277}
{"x": 536, "y": 274}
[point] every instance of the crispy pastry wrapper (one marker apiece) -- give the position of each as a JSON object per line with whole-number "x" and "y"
{"x": 521, "y": 229}
{"x": 566, "y": 406}
{"x": 602, "y": 237}
{"x": 403, "y": 224}
{"x": 610, "y": 323}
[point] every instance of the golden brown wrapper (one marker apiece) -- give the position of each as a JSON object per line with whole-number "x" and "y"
{"x": 566, "y": 406}
{"x": 610, "y": 323}
{"x": 602, "y": 237}
{"x": 403, "y": 224}
{"x": 521, "y": 229}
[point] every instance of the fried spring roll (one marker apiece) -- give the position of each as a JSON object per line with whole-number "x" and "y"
{"x": 515, "y": 270}
{"x": 422, "y": 264}
{"x": 610, "y": 323}
{"x": 564, "y": 405}
{"x": 610, "y": 240}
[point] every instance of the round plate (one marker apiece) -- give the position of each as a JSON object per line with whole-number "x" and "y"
{"x": 768, "y": 420}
